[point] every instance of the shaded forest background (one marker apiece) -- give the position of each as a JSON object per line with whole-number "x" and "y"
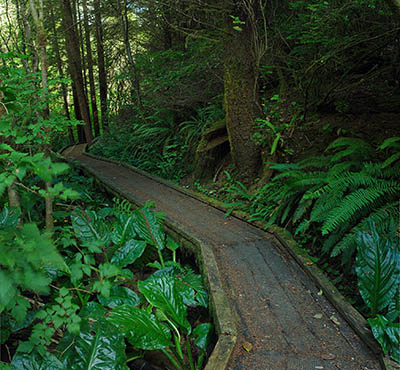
{"x": 161, "y": 72}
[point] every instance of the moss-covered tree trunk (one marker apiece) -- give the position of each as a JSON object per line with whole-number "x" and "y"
{"x": 241, "y": 98}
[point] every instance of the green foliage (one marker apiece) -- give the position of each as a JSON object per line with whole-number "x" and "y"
{"x": 179, "y": 99}
{"x": 142, "y": 328}
{"x": 166, "y": 292}
{"x": 26, "y": 132}
{"x": 378, "y": 274}
{"x": 271, "y": 131}
{"x": 120, "y": 295}
{"x": 94, "y": 348}
{"x": 331, "y": 52}
{"x": 25, "y": 255}
{"x": 89, "y": 340}
{"x": 378, "y": 268}
{"x": 337, "y": 194}
{"x": 387, "y": 334}
{"x": 153, "y": 145}
{"x": 36, "y": 361}
{"x": 159, "y": 144}
{"x": 161, "y": 291}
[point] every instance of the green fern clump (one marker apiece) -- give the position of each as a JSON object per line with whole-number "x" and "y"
{"x": 337, "y": 193}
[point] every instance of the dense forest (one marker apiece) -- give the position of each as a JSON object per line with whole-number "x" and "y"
{"x": 285, "y": 110}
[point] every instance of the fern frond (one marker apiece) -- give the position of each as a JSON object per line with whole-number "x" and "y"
{"x": 355, "y": 202}
{"x": 392, "y": 142}
{"x": 347, "y": 179}
{"x": 324, "y": 204}
{"x": 283, "y": 167}
{"x": 377, "y": 170}
{"x": 381, "y": 217}
{"x": 303, "y": 227}
{"x": 332, "y": 240}
{"x": 301, "y": 209}
{"x": 392, "y": 159}
{"x": 338, "y": 168}
{"x": 315, "y": 162}
{"x": 352, "y": 147}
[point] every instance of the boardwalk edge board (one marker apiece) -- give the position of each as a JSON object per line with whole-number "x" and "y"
{"x": 223, "y": 314}
{"x": 288, "y": 245}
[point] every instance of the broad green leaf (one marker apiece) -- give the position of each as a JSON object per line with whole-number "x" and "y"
{"x": 149, "y": 228}
{"x": 120, "y": 295}
{"x": 142, "y": 329}
{"x": 34, "y": 361}
{"x": 387, "y": 334}
{"x": 275, "y": 143}
{"x": 172, "y": 244}
{"x": 89, "y": 227}
{"x": 123, "y": 229}
{"x": 203, "y": 334}
{"x": 377, "y": 268}
{"x": 162, "y": 292}
{"x": 128, "y": 253}
{"x": 194, "y": 281}
{"x": 29, "y": 318}
{"x": 100, "y": 349}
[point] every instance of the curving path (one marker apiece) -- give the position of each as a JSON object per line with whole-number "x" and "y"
{"x": 282, "y": 322}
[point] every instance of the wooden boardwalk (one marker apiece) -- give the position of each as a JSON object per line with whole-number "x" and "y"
{"x": 282, "y": 321}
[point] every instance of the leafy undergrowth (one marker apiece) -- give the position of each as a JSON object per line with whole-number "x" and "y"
{"x": 105, "y": 290}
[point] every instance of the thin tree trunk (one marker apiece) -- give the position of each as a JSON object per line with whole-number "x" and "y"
{"x": 41, "y": 40}
{"x": 101, "y": 63}
{"x": 80, "y": 130}
{"x": 27, "y": 42}
{"x": 79, "y": 34}
{"x": 60, "y": 71}
{"x": 131, "y": 62}
{"x": 13, "y": 197}
{"x": 90, "y": 70}
{"x": 74, "y": 59}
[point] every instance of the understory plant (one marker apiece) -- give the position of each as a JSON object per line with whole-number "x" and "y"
{"x": 158, "y": 143}
{"x": 94, "y": 300}
{"x": 378, "y": 274}
{"x": 335, "y": 195}
{"x": 153, "y": 145}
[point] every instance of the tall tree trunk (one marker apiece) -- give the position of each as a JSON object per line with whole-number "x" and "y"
{"x": 79, "y": 129}
{"x": 75, "y": 66}
{"x": 41, "y": 44}
{"x": 101, "y": 63}
{"x": 90, "y": 70}
{"x": 60, "y": 70}
{"x": 79, "y": 33}
{"x": 27, "y": 40}
{"x": 241, "y": 97}
{"x": 131, "y": 62}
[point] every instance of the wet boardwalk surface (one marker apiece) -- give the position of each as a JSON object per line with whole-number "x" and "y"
{"x": 282, "y": 320}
